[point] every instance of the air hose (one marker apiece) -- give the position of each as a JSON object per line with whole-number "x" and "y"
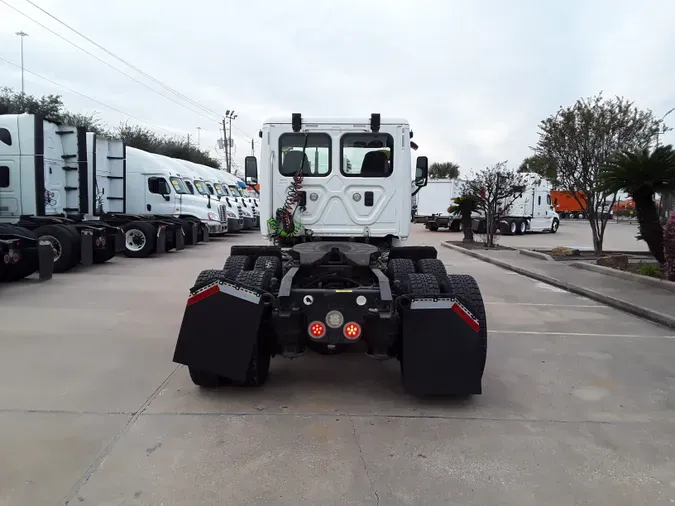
{"x": 284, "y": 224}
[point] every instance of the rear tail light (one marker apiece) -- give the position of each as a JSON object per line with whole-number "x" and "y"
{"x": 316, "y": 330}
{"x": 15, "y": 257}
{"x": 352, "y": 331}
{"x": 5, "y": 259}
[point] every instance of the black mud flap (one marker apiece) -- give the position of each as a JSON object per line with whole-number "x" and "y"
{"x": 206, "y": 233}
{"x": 206, "y": 343}
{"x": 87, "y": 248}
{"x": 442, "y": 351}
{"x": 180, "y": 239}
{"x": 161, "y": 240}
{"x": 119, "y": 239}
{"x": 195, "y": 233}
{"x": 45, "y": 260}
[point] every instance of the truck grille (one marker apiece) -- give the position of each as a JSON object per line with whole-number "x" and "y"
{"x": 240, "y": 212}
{"x": 222, "y": 213}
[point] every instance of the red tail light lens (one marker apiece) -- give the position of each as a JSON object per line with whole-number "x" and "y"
{"x": 316, "y": 330}
{"x": 352, "y": 330}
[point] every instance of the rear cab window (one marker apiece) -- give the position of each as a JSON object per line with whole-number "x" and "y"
{"x": 4, "y": 176}
{"x": 366, "y": 154}
{"x": 5, "y": 136}
{"x": 316, "y": 161}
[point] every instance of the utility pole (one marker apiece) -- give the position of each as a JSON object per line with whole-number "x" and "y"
{"x": 22, "y": 34}
{"x": 229, "y": 115}
{"x": 226, "y": 143}
{"x": 188, "y": 141}
{"x": 252, "y": 147}
{"x": 199, "y": 137}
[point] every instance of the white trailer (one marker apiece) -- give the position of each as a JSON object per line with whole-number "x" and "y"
{"x": 433, "y": 201}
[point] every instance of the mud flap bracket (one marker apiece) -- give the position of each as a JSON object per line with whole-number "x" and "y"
{"x": 441, "y": 347}
{"x": 207, "y": 344}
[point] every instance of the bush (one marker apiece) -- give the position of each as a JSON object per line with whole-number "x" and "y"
{"x": 649, "y": 270}
{"x": 669, "y": 247}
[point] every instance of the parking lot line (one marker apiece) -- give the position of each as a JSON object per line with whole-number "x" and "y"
{"x": 576, "y": 334}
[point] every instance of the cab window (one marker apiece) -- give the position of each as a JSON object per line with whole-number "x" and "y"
{"x": 548, "y": 199}
{"x": 5, "y": 136}
{"x": 4, "y": 177}
{"x": 158, "y": 185}
{"x": 190, "y": 187}
{"x": 366, "y": 155}
{"x": 201, "y": 188}
{"x": 178, "y": 185}
{"x": 316, "y": 161}
{"x": 219, "y": 189}
{"x": 210, "y": 188}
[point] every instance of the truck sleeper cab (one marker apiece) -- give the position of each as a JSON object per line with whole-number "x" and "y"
{"x": 42, "y": 190}
{"x": 336, "y": 273}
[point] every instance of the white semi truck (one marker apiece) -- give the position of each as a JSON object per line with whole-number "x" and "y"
{"x": 529, "y": 211}
{"x": 200, "y": 183}
{"x": 336, "y": 271}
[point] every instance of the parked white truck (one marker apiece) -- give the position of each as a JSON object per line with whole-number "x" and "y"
{"x": 530, "y": 211}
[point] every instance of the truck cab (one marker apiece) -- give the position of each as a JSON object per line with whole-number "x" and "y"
{"x": 351, "y": 177}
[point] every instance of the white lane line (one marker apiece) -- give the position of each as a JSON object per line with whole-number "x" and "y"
{"x": 536, "y": 304}
{"x": 575, "y": 334}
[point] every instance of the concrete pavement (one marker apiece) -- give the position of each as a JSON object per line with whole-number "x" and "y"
{"x": 577, "y": 407}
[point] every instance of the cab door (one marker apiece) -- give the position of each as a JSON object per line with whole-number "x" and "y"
{"x": 159, "y": 197}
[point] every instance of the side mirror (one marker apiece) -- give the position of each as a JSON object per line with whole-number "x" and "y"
{"x": 251, "y": 169}
{"x": 421, "y": 171}
{"x": 163, "y": 189}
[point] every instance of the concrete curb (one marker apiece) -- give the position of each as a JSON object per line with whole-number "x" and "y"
{"x": 658, "y": 283}
{"x": 536, "y": 254}
{"x": 647, "y": 314}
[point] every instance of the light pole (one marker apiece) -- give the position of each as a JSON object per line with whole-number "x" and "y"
{"x": 22, "y": 34}
{"x": 199, "y": 136}
{"x": 229, "y": 115}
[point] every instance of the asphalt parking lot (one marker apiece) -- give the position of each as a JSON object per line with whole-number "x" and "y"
{"x": 578, "y": 404}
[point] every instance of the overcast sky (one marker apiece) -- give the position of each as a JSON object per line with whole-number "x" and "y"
{"x": 474, "y": 78}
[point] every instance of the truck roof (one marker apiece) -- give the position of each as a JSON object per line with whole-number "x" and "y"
{"x": 365, "y": 120}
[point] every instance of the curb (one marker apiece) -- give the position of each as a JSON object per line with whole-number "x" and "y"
{"x": 647, "y": 314}
{"x": 629, "y": 276}
{"x": 536, "y": 254}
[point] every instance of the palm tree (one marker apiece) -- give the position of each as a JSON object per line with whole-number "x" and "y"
{"x": 642, "y": 174}
{"x": 465, "y": 206}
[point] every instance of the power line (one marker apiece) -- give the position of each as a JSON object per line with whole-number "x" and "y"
{"x": 87, "y": 97}
{"x": 108, "y": 64}
{"x": 125, "y": 62}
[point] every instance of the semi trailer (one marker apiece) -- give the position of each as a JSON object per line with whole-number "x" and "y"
{"x": 336, "y": 271}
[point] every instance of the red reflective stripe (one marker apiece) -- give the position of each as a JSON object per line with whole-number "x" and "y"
{"x": 202, "y": 295}
{"x": 466, "y": 317}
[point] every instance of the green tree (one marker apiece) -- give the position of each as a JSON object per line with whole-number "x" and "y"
{"x": 580, "y": 138}
{"x": 444, "y": 170}
{"x": 495, "y": 188}
{"x": 642, "y": 174}
{"x": 539, "y": 165}
{"x": 464, "y": 206}
{"x": 14, "y": 102}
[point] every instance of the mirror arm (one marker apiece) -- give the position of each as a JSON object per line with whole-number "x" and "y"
{"x": 416, "y": 191}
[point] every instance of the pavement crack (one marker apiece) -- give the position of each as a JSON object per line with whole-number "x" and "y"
{"x": 363, "y": 461}
{"x": 75, "y": 489}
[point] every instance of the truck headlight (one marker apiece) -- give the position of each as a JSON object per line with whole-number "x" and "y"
{"x": 230, "y": 214}
{"x": 213, "y": 217}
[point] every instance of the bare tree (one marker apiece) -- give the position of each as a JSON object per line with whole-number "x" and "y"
{"x": 496, "y": 188}
{"x": 580, "y": 138}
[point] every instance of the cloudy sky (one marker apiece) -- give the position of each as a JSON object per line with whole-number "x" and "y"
{"x": 474, "y": 78}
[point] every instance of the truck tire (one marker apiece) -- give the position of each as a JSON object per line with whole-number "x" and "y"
{"x": 207, "y": 277}
{"x": 421, "y": 284}
{"x": 465, "y": 286}
{"x": 206, "y": 379}
{"x": 140, "y": 239}
{"x": 236, "y": 264}
{"x": 436, "y": 268}
{"x": 259, "y": 365}
{"x": 397, "y": 270}
{"x": 63, "y": 243}
{"x": 522, "y": 227}
{"x": 432, "y": 226}
{"x": 257, "y": 279}
{"x": 272, "y": 264}
{"x": 555, "y": 225}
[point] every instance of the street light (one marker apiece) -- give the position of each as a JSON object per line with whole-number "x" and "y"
{"x": 199, "y": 136}
{"x": 229, "y": 115}
{"x": 22, "y": 34}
